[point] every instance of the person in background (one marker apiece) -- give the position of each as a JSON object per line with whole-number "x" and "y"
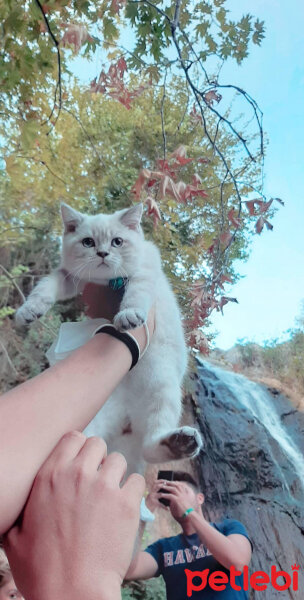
{"x": 201, "y": 546}
{"x": 8, "y": 588}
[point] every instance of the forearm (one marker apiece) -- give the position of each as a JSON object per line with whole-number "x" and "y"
{"x": 36, "y": 414}
{"x": 137, "y": 549}
{"x": 223, "y": 549}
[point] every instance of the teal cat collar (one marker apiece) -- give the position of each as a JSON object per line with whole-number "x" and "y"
{"x": 186, "y": 513}
{"x": 118, "y": 283}
{"x": 127, "y": 338}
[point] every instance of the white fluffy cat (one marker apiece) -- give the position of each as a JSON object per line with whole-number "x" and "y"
{"x": 147, "y": 404}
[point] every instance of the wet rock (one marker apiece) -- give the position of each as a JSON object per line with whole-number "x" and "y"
{"x": 252, "y": 468}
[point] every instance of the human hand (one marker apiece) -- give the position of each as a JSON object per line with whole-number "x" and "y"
{"x": 101, "y": 301}
{"x": 177, "y": 492}
{"x": 152, "y": 499}
{"x": 76, "y": 535}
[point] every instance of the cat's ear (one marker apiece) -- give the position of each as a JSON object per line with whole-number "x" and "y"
{"x": 131, "y": 217}
{"x": 71, "y": 218}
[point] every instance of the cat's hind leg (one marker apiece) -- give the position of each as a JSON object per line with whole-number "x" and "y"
{"x": 164, "y": 440}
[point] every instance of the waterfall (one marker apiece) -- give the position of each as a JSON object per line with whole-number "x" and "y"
{"x": 260, "y": 406}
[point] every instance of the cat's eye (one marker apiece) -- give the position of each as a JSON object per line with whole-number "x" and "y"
{"x": 116, "y": 242}
{"x": 88, "y": 242}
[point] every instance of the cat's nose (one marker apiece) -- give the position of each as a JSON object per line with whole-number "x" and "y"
{"x": 102, "y": 254}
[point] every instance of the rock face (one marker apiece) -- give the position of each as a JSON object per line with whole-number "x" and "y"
{"x": 252, "y": 469}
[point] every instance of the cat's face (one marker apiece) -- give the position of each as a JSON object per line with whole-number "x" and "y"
{"x": 102, "y": 247}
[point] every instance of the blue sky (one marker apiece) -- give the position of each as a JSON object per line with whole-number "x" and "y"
{"x": 271, "y": 291}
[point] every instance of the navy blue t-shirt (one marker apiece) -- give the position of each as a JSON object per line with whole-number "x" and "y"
{"x": 177, "y": 553}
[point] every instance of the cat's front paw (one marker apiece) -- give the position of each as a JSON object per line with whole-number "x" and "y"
{"x": 129, "y": 318}
{"x": 30, "y": 311}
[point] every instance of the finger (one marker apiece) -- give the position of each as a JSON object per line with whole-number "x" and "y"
{"x": 171, "y": 485}
{"x": 92, "y": 454}
{"x": 113, "y": 469}
{"x": 165, "y": 495}
{"x": 135, "y": 485}
{"x": 65, "y": 451}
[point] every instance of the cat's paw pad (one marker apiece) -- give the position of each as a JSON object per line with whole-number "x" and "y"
{"x": 30, "y": 311}
{"x": 129, "y": 318}
{"x": 185, "y": 442}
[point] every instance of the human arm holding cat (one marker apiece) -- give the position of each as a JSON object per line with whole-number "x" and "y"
{"x": 37, "y": 413}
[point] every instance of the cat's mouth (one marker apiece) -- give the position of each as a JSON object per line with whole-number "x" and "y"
{"x": 102, "y": 264}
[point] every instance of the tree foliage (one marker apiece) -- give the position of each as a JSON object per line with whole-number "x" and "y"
{"x": 150, "y": 127}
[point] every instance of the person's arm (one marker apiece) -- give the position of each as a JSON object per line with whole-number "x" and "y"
{"x": 36, "y": 414}
{"x": 234, "y": 549}
{"x": 144, "y": 565}
{"x": 75, "y": 536}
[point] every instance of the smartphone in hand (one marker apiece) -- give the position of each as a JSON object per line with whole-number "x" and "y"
{"x": 168, "y": 475}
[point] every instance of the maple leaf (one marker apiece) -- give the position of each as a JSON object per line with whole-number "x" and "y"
{"x": 250, "y": 207}
{"x": 195, "y": 116}
{"x": 144, "y": 175}
{"x": 211, "y": 248}
{"x": 199, "y": 341}
{"x": 117, "y": 5}
{"x": 263, "y": 206}
{"x": 226, "y": 238}
{"x": 259, "y": 224}
{"x": 75, "y": 35}
{"x": 233, "y": 219}
{"x": 224, "y": 279}
{"x": 180, "y": 152}
{"x": 196, "y": 180}
{"x": 211, "y": 97}
{"x": 153, "y": 209}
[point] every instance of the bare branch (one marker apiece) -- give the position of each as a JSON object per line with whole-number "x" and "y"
{"x": 11, "y": 279}
{"x": 162, "y": 117}
{"x": 58, "y": 87}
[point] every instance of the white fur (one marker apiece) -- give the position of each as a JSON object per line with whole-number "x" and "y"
{"x": 149, "y": 398}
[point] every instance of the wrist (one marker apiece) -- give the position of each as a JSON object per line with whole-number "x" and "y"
{"x": 107, "y": 588}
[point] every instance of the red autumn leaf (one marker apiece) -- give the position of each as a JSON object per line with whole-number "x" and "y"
{"x": 250, "y": 206}
{"x": 203, "y": 160}
{"x": 116, "y": 5}
{"x": 199, "y": 341}
{"x": 226, "y": 238}
{"x": 180, "y": 152}
{"x": 259, "y": 224}
{"x": 233, "y": 219}
{"x": 263, "y": 206}
{"x": 211, "y": 97}
{"x": 195, "y": 116}
{"x": 192, "y": 190}
{"x": 196, "y": 180}
{"x": 211, "y": 248}
{"x": 144, "y": 175}
{"x": 153, "y": 209}
{"x": 183, "y": 161}
{"x": 151, "y": 182}
{"x": 75, "y": 35}
{"x": 268, "y": 225}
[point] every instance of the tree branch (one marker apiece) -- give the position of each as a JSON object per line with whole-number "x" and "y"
{"x": 58, "y": 84}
